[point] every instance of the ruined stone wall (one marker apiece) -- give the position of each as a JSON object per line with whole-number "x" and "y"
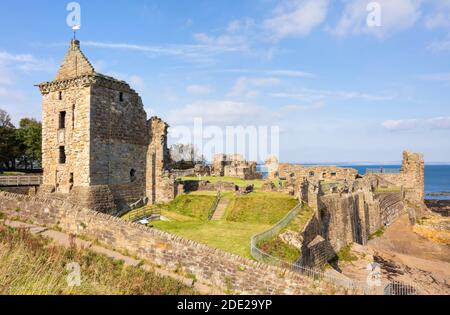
{"x": 118, "y": 141}
{"x": 234, "y": 166}
{"x": 297, "y": 175}
{"x": 411, "y": 178}
{"x": 160, "y": 185}
{"x": 222, "y": 269}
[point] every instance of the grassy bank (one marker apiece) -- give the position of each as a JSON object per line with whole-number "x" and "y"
{"x": 245, "y": 216}
{"x": 30, "y": 265}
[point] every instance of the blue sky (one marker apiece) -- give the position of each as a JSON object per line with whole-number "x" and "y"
{"x": 338, "y": 89}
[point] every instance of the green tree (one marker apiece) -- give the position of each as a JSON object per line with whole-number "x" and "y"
{"x": 9, "y": 148}
{"x": 29, "y": 136}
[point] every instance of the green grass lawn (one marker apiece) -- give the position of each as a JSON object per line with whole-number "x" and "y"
{"x": 245, "y": 216}
{"x": 237, "y": 181}
{"x": 260, "y": 207}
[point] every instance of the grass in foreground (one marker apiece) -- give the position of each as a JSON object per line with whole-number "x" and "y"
{"x": 30, "y": 265}
{"x": 277, "y": 248}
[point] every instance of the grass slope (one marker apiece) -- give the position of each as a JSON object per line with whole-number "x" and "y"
{"x": 30, "y": 265}
{"x": 245, "y": 216}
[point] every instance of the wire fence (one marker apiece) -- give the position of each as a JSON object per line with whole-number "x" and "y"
{"x": 365, "y": 287}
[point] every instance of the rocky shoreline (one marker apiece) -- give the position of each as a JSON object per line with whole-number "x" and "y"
{"x": 441, "y": 207}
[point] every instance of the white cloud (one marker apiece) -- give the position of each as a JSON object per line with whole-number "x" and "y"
{"x": 134, "y": 80}
{"x": 442, "y": 45}
{"x": 26, "y": 62}
{"x": 439, "y": 17}
{"x": 196, "y": 51}
{"x": 396, "y": 16}
{"x": 295, "y": 108}
{"x": 443, "y": 77}
{"x": 405, "y": 124}
{"x": 245, "y": 86}
{"x": 310, "y": 95}
{"x": 218, "y": 112}
{"x": 417, "y": 124}
{"x": 198, "y": 89}
{"x": 439, "y": 123}
{"x": 296, "y": 18}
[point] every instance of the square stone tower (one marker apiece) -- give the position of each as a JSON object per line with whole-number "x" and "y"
{"x": 94, "y": 137}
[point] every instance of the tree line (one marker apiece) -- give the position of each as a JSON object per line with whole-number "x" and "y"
{"x": 20, "y": 148}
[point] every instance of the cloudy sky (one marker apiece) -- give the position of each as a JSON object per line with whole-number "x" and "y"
{"x": 338, "y": 89}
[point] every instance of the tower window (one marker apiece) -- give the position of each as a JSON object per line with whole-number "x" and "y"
{"x": 121, "y": 96}
{"x": 62, "y": 120}
{"x": 62, "y": 155}
{"x": 132, "y": 175}
{"x": 60, "y": 96}
{"x": 73, "y": 116}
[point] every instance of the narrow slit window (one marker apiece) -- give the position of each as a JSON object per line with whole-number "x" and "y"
{"x": 62, "y": 120}
{"x": 62, "y": 155}
{"x": 73, "y": 116}
{"x": 60, "y": 96}
{"x": 121, "y": 96}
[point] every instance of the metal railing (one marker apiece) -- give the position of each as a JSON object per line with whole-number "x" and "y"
{"x": 144, "y": 213}
{"x": 391, "y": 288}
{"x": 214, "y": 206}
{"x": 383, "y": 170}
{"x": 20, "y": 180}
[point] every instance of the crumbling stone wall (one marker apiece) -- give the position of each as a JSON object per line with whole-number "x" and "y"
{"x": 160, "y": 183}
{"x": 234, "y": 166}
{"x": 221, "y": 269}
{"x": 411, "y": 178}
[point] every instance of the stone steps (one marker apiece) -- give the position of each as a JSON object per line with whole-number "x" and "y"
{"x": 220, "y": 210}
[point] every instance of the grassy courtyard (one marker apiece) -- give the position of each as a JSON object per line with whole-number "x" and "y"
{"x": 245, "y": 216}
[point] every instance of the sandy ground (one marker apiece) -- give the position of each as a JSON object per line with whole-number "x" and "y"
{"x": 404, "y": 256}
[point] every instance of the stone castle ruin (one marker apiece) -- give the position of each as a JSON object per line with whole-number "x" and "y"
{"x": 234, "y": 165}
{"x": 99, "y": 149}
{"x": 350, "y": 207}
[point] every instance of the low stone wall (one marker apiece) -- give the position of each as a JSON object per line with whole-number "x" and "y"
{"x": 224, "y": 270}
{"x": 194, "y": 185}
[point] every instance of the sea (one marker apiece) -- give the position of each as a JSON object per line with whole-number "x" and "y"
{"x": 437, "y": 177}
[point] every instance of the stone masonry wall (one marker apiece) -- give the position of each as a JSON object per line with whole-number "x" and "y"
{"x": 160, "y": 184}
{"x": 225, "y": 270}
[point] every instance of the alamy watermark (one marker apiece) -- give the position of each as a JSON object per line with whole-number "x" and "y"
{"x": 254, "y": 142}
{"x": 74, "y": 277}
{"x": 374, "y": 16}
{"x": 73, "y": 19}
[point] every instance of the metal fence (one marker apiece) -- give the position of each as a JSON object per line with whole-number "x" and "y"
{"x": 391, "y": 288}
{"x": 20, "y": 180}
{"x": 383, "y": 171}
{"x": 144, "y": 213}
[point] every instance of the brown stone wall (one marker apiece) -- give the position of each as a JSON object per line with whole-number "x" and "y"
{"x": 118, "y": 141}
{"x": 411, "y": 178}
{"x": 160, "y": 184}
{"x": 209, "y": 265}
